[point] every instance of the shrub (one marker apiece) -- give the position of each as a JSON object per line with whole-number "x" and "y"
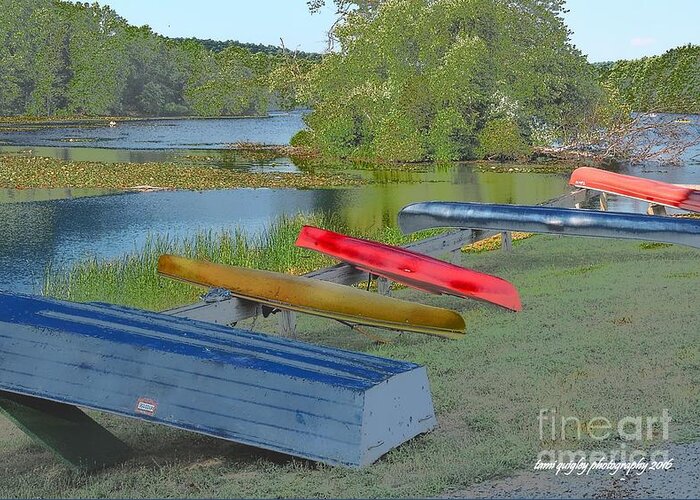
{"x": 501, "y": 140}
{"x": 302, "y": 139}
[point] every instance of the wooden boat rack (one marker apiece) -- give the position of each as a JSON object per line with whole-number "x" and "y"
{"x": 220, "y": 308}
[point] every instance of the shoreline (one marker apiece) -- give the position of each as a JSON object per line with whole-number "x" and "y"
{"x": 25, "y": 170}
{"x": 6, "y": 121}
{"x": 543, "y": 160}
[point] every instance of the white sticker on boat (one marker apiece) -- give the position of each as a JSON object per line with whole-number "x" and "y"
{"x": 146, "y": 406}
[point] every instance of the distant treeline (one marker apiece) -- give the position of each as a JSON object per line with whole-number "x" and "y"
{"x": 255, "y": 48}
{"x": 59, "y": 58}
{"x": 666, "y": 83}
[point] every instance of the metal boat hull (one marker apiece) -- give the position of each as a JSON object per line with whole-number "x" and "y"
{"x": 325, "y": 404}
{"x": 536, "y": 219}
{"x": 652, "y": 191}
{"x": 411, "y": 268}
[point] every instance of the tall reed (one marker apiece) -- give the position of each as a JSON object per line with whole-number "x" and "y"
{"x": 132, "y": 279}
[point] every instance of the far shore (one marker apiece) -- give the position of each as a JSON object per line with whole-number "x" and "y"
{"x": 26, "y": 172}
{"x": 90, "y": 120}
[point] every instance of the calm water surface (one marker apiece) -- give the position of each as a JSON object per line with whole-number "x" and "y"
{"x": 64, "y": 230}
{"x": 62, "y": 226}
{"x": 214, "y": 133}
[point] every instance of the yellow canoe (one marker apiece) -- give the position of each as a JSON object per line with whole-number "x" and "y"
{"x": 317, "y": 297}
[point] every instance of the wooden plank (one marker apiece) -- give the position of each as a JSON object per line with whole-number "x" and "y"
{"x": 287, "y": 321}
{"x": 345, "y": 274}
{"x": 226, "y": 312}
{"x": 64, "y": 429}
{"x": 568, "y": 200}
{"x": 383, "y": 286}
{"x": 506, "y": 241}
{"x": 654, "y": 209}
{"x": 444, "y": 243}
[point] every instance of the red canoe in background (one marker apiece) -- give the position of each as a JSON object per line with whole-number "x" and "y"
{"x": 411, "y": 268}
{"x": 661, "y": 193}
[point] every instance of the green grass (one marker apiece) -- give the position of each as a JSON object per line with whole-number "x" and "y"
{"x": 607, "y": 330}
{"x": 132, "y": 280}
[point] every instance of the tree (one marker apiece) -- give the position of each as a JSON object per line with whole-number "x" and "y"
{"x": 235, "y": 85}
{"x": 666, "y": 83}
{"x": 59, "y": 57}
{"x": 96, "y": 50}
{"x": 50, "y": 65}
{"x": 159, "y": 71}
{"x": 17, "y": 53}
{"x": 419, "y": 79}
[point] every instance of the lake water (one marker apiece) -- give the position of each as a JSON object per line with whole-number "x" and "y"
{"x": 63, "y": 230}
{"x": 62, "y": 226}
{"x": 204, "y": 133}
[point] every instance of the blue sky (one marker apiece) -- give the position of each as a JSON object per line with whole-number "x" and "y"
{"x": 603, "y": 29}
{"x": 628, "y": 29}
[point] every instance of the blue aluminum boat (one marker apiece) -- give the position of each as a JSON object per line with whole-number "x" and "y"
{"x": 538, "y": 219}
{"x": 324, "y": 404}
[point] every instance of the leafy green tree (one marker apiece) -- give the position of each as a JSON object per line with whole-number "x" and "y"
{"x": 666, "y": 83}
{"x": 10, "y": 73}
{"x": 18, "y": 51}
{"x": 159, "y": 70}
{"x": 501, "y": 140}
{"x": 289, "y": 79}
{"x": 235, "y": 85}
{"x": 418, "y": 79}
{"x": 59, "y": 57}
{"x": 96, "y": 50}
{"x": 50, "y": 66}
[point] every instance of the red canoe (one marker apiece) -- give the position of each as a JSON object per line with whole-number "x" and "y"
{"x": 411, "y": 268}
{"x": 661, "y": 193}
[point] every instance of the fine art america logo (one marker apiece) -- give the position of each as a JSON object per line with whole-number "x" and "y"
{"x": 630, "y": 435}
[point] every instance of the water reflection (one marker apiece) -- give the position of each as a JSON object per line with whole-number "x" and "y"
{"x": 29, "y": 195}
{"x": 65, "y": 230}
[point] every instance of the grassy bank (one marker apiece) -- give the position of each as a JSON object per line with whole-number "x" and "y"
{"x": 609, "y": 329}
{"x": 22, "y": 172}
{"x": 132, "y": 280}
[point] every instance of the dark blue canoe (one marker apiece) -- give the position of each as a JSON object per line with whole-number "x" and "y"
{"x": 325, "y": 404}
{"x": 537, "y": 219}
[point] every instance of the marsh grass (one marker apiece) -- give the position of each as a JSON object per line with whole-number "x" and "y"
{"x": 132, "y": 280}
{"x": 27, "y": 171}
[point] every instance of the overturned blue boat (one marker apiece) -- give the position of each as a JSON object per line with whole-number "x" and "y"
{"x": 324, "y": 404}
{"x": 538, "y": 219}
